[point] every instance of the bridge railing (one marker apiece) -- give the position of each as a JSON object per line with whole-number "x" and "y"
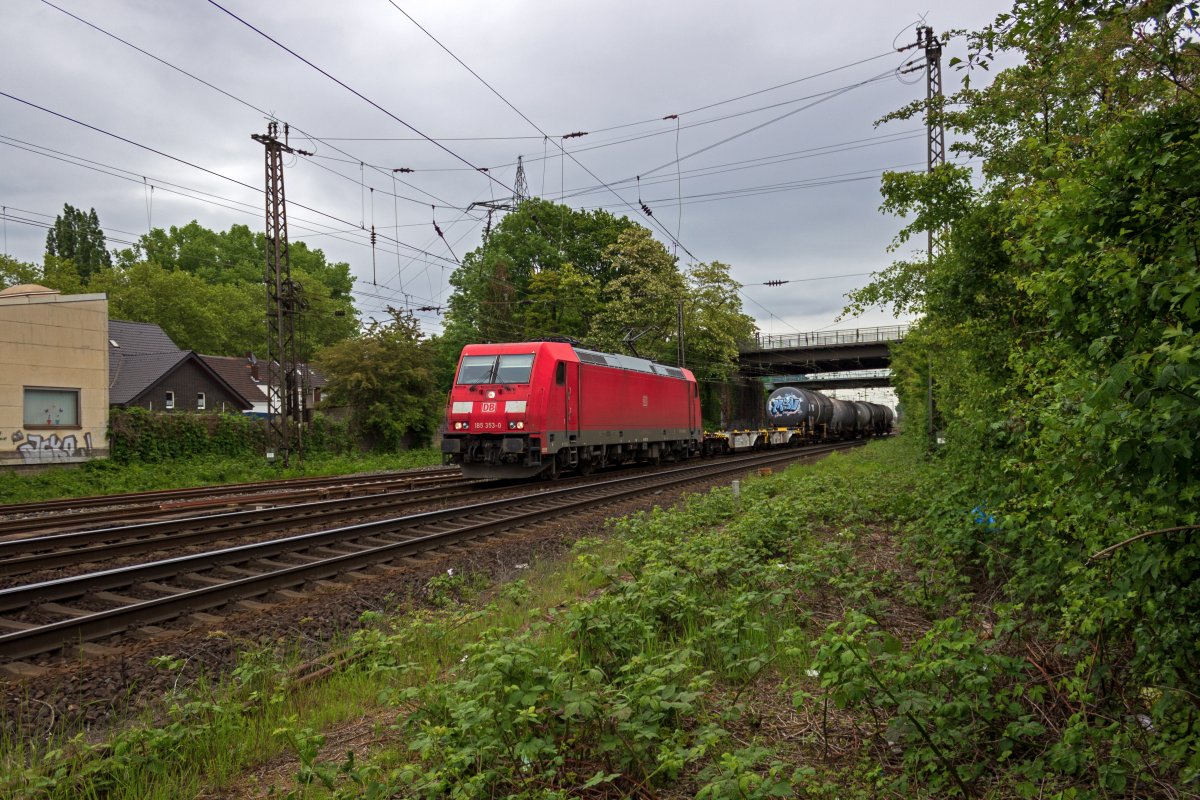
{"x": 887, "y": 333}
{"x": 844, "y": 375}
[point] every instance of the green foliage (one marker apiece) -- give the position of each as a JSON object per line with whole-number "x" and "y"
{"x": 641, "y": 300}
{"x": 205, "y": 288}
{"x": 537, "y": 274}
{"x": 1062, "y": 331}
{"x": 135, "y": 434}
{"x": 633, "y": 687}
{"x": 215, "y": 319}
{"x": 713, "y": 322}
{"x": 328, "y": 435}
{"x": 14, "y": 273}
{"x": 954, "y": 708}
{"x": 140, "y": 756}
{"x": 386, "y": 376}
{"x": 77, "y": 237}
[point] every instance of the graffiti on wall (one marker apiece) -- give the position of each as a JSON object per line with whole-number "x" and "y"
{"x": 38, "y": 449}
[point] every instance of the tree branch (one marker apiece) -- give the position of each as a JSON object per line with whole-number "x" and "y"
{"x": 1111, "y": 549}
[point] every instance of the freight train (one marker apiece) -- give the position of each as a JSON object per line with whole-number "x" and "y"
{"x": 542, "y": 408}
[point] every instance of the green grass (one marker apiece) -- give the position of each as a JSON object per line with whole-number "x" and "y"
{"x": 109, "y": 477}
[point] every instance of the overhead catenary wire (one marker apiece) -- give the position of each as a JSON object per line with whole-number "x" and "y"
{"x": 189, "y": 192}
{"x": 620, "y": 126}
{"x": 356, "y": 93}
{"x": 236, "y": 99}
{"x": 561, "y": 146}
{"x": 183, "y": 161}
{"x": 763, "y": 161}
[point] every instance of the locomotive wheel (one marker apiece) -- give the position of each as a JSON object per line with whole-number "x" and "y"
{"x": 585, "y": 467}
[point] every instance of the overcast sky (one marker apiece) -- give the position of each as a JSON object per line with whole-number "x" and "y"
{"x": 794, "y": 200}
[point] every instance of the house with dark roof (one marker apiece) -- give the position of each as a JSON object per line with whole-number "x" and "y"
{"x": 242, "y": 374}
{"x": 147, "y": 369}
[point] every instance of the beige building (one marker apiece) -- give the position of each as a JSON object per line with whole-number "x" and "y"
{"x": 53, "y": 376}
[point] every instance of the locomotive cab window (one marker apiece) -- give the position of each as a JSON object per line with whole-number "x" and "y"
{"x": 476, "y": 369}
{"x": 514, "y": 369}
{"x": 560, "y": 373}
{"x": 493, "y": 369}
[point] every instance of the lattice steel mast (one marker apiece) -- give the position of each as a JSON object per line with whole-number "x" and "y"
{"x": 285, "y": 399}
{"x": 935, "y": 131}
{"x": 935, "y": 139}
{"x": 520, "y": 194}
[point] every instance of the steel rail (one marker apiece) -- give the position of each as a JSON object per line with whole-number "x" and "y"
{"x": 44, "y": 638}
{"x": 217, "y": 490}
{"x": 22, "y": 525}
{"x": 21, "y": 556}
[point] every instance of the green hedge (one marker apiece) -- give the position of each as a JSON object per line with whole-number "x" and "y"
{"x": 138, "y": 435}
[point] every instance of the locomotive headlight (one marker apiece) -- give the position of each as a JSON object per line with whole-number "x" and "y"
{"x": 512, "y": 425}
{"x": 520, "y": 425}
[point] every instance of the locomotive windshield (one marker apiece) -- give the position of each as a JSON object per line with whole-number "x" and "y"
{"x": 476, "y": 369}
{"x": 490, "y": 369}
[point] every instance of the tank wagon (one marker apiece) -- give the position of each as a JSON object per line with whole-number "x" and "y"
{"x": 542, "y": 408}
{"x": 523, "y": 409}
{"x": 802, "y": 416}
{"x": 815, "y": 416}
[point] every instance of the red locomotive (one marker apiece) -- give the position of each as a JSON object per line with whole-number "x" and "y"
{"x": 522, "y": 409}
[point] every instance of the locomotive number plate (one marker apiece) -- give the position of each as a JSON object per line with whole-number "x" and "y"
{"x": 487, "y": 426}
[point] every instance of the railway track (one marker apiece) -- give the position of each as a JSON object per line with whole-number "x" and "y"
{"x": 23, "y": 556}
{"x": 36, "y": 618}
{"x": 25, "y": 519}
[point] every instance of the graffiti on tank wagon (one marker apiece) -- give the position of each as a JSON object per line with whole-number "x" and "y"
{"x": 38, "y": 449}
{"x": 784, "y": 404}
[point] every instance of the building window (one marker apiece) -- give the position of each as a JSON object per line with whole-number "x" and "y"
{"x": 51, "y": 408}
{"x": 199, "y": 401}
{"x": 170, "y": 401}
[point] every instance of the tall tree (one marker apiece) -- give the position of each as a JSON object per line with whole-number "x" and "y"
{"x": 714, "y": 323}
{"x": 76, "y": 236}
{"x": 386, "y": 377}
{"x": 222, "y": 319}
{"x": 492, "y": 289}
{"x": 234, "y": 262}
{"x": 640, "y": 311}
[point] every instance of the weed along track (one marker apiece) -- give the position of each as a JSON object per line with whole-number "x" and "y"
{"x": 53, "y": 615}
